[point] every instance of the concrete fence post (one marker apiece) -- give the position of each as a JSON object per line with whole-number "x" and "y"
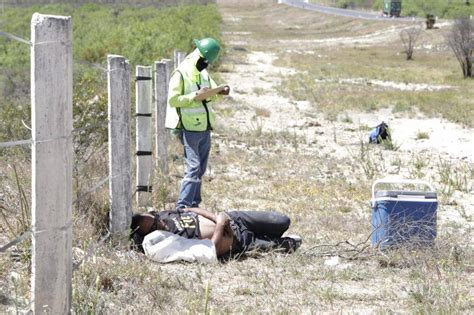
{"x": 162, "y": 75}
{"x": 120, "y": 186}
{"x": 178, "y": 57}
{"x": 144, "y": 135}
{"x": 51, "y": 116}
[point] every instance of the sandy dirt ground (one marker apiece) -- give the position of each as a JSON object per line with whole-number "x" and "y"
{"x": 301, "y": 283}
{"x": 255, "y": 80}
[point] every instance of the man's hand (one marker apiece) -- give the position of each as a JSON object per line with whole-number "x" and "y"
{"x": 222, "y": 244}
{"x": 202, "y": 90}
{"x": 224, "y": 220}
{"x": 205, "y": 213}
{"x": 225, "y": 91}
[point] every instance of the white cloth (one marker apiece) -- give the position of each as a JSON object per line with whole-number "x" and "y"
{"x": 164, "y": 247}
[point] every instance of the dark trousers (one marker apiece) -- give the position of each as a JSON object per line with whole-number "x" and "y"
{"x": 260, "y": 230}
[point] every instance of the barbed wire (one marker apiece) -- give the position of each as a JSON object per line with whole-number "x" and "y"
{"x": 27, "y": 233}
{"x": 91, "y": 250}
{"x": 91, "y": 126}
{"x": 14, "y": 37}
{"x": 29, "y": 43}
{"x": 91, "y": 64}
{"x": 92, "y": 190}
{"x": 30, "y": 141}
{"x": 9, "y": 144}
{"x": 96, "y": 66}
{"x": 17, "y": 240}
{"x": 73, "y": 132}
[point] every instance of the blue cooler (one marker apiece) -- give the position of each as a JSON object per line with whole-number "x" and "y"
{"x": 403, "y": 217}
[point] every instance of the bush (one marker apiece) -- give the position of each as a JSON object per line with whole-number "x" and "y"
{"x": 461, "y": 41}
{"x": 142, "y": 35}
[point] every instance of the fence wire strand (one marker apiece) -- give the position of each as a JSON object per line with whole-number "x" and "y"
{"x": 91, "y": 250}
{"x": 14, "y": 37}
{"x": 91, "y": 65}
{"x": 9, "y": 144}
{"x": 92, "y": 190}
{"x": 18, "y": 240}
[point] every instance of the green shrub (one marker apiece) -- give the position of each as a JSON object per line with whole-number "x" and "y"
{"x": 142, "y": 35}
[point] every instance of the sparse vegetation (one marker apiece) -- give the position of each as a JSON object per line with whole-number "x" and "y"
{"x": 461, "y": 41}
{"x": 454, "y": 177}
{"x": 336, "y": 86}
{"x": 409, "y": 38}
{"x": 417, "y": 166}
{"x": 440, "y": 8}
{"x": 422, "y": 135}
{"x": 278, "y": 152}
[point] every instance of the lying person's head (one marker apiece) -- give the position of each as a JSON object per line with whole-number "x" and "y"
{"x": 143, "y": 224}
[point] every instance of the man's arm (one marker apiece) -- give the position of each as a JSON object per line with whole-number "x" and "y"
{"x": 219, "y": 95}
{"x": 205, "y": 213}
{"x": 222, "y": 238}
{"x": 175, "y": 90}
{"x": 222, "y": 244}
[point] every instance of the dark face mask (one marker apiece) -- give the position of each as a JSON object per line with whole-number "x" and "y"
{"x": 201, "y": 64}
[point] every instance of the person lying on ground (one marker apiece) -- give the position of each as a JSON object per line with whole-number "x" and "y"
{"x": 232, "y": 233}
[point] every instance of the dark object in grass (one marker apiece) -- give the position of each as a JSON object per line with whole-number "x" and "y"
{"x": 380, "y": 133}
{"x": 430, "y": 21}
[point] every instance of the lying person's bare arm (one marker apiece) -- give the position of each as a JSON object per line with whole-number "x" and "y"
{"x": 219, "y": 232}
{"x": 220, "y": 238}
{"x": 205, "y": 213}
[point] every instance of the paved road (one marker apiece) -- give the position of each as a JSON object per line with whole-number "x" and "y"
{"x": 344, "y": 12}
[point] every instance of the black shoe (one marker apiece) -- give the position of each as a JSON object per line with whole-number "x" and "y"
{"x": 290, "y": 243}
{"x": 297, "y": 239}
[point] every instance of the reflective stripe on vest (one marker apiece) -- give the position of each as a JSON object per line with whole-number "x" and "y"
{"x": 194, "y": 117}
{"x": 196, "y": 110}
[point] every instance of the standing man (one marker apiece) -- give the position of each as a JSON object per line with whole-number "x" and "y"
{"x": 194, "y": 119}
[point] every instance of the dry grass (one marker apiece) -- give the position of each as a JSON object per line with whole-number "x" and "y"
{"x": 326, "y": 193}
{"x": 379, "y": 63}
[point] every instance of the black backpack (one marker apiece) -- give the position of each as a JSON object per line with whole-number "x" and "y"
{"x": 380, "y": 133}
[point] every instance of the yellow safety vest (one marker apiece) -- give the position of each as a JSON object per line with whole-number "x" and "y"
{"x": 182, "y": 111}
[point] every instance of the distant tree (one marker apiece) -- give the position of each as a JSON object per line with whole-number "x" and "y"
{"x": 409, "y": 38}
{"x": 461, "y": 41}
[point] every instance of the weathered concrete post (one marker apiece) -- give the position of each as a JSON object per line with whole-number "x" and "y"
{"x": 162, "y": 75}
{"x": 120, "y": 186}
{"x": 178, "y": 57}
{"x": 51, "y": 116}
{"x": 144, "y": 135}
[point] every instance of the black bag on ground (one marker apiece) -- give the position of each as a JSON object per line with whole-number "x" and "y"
{"x": 380, "y": 133}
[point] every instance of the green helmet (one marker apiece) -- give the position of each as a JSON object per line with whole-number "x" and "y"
{"x": 209, "y": 48}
